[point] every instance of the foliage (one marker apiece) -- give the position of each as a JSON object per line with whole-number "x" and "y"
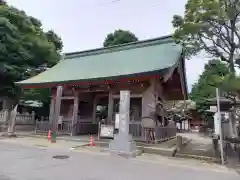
{"x": 41, "y": 95}
{"x": 24, "y": 47}
{"x": 212, "y": 26}
{"x": 213, "y": 76}
{"x": 119, "y": 37}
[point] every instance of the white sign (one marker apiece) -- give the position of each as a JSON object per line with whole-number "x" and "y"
{"x": 216, "y": 124}
{"x": 117, "y": 117}
{"x": 106, "y": 131}
{"x": 213, "y": 108}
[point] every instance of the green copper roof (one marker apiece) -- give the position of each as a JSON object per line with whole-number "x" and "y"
{"x": 130, "y": 59}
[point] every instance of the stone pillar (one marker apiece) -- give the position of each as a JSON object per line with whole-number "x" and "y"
{"x": 122, "y": 143}
{"x": 124, "y": 112}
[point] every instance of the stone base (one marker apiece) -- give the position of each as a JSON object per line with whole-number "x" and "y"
{"x": 10, "y": 135}
{"x": 124, "y": 146}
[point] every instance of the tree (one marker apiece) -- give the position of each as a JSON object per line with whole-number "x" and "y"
{"x": 212, "y": 26}
{"x": 213, "y": 75}
{"x": 214, "y": 72}
{"x": 24, "y": 48}
{"x": 119, "y": 37}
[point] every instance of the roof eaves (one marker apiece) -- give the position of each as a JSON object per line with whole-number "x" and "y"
{"x": 100, "y": 79}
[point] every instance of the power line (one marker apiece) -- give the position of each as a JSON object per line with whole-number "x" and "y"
{"x": 105, "y": 4}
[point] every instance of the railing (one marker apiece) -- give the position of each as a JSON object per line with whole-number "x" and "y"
{"x": 83, "y": 128}
{"x": 42, "y": 126}
{"x": 25, "y": 119}
{"x": 86, "y": 128}
{"x": 45, "y": 126}
{"x": 21, "y": 119}
{"x": 161, "y": 133}
{"x": 135, "y": 129}
{"x": 3, "y": 116}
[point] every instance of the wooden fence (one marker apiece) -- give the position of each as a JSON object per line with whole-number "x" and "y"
{"x": 161, "y": 133}
{"x": 85, "y": 128}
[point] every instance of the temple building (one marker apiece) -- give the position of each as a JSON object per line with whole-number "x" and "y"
{"x": 152, "y": 70}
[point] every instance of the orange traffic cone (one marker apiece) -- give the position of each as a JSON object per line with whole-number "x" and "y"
{"x": 49, "y": 135}
{"x": 91, "y": 141}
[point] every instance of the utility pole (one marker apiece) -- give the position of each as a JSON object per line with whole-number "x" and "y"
{"x": 220, "y": 125}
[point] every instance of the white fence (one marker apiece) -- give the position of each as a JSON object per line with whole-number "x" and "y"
{"x": 21, "y": 119}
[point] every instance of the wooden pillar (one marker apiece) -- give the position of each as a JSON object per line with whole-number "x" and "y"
{"x": 94, "y": 109}
{"x": 110, "y": 108}
{"x": 149, "y": 102}
{"x": 75, "y": 112}
{"x": 57, "y": 107}
{"x": 51, "y": 112}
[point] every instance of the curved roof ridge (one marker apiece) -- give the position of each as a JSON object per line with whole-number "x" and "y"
{"x": 126, "y": 46}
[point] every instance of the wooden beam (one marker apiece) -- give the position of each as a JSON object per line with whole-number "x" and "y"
{"x": 116, "y": 87}
{"x": 67, "y": 97}
{"x": 117, "y": 96}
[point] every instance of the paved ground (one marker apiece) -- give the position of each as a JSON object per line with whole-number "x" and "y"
{"x": 20, "y": 161}
{"x": 199, "y": 145}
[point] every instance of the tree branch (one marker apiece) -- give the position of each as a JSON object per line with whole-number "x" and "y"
{"x": 213, "y": 49}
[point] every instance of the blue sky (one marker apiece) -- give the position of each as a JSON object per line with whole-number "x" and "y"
{"x": 83, "y": 24}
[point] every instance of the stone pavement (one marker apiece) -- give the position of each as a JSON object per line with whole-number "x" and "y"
{"x": 199, "y": 145}
{"x": 26, "y": 162}
{"x": 44, "y": 143}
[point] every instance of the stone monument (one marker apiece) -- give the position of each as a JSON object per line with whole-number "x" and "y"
{"x": 122, "y": 143}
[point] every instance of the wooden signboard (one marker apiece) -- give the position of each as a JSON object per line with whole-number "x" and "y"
{"x": 106, "y": 131}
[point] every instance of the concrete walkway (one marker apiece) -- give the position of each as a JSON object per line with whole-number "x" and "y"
{"x": 20, "y": 162}
{"x": 40, "y": 142}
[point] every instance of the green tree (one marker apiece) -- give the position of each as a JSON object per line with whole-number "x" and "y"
{"x": 213, "y": 75}
{"x": 119, "y": 37}
{"x": 24, "y": 49}
{"x": 212, "y": 26}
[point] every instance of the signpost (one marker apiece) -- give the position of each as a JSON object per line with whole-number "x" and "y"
{"x": 106, "y": 131}
{"x": 220, "y": 125}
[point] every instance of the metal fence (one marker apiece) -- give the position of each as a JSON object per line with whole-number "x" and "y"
{"x": 83, "y": 128}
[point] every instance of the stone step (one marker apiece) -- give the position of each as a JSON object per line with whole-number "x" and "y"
{"x": 21, "y": 128}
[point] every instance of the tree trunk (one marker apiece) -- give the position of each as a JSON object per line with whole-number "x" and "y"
{"x": 233, "y": 124}
{"x": 231, "y": 67}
